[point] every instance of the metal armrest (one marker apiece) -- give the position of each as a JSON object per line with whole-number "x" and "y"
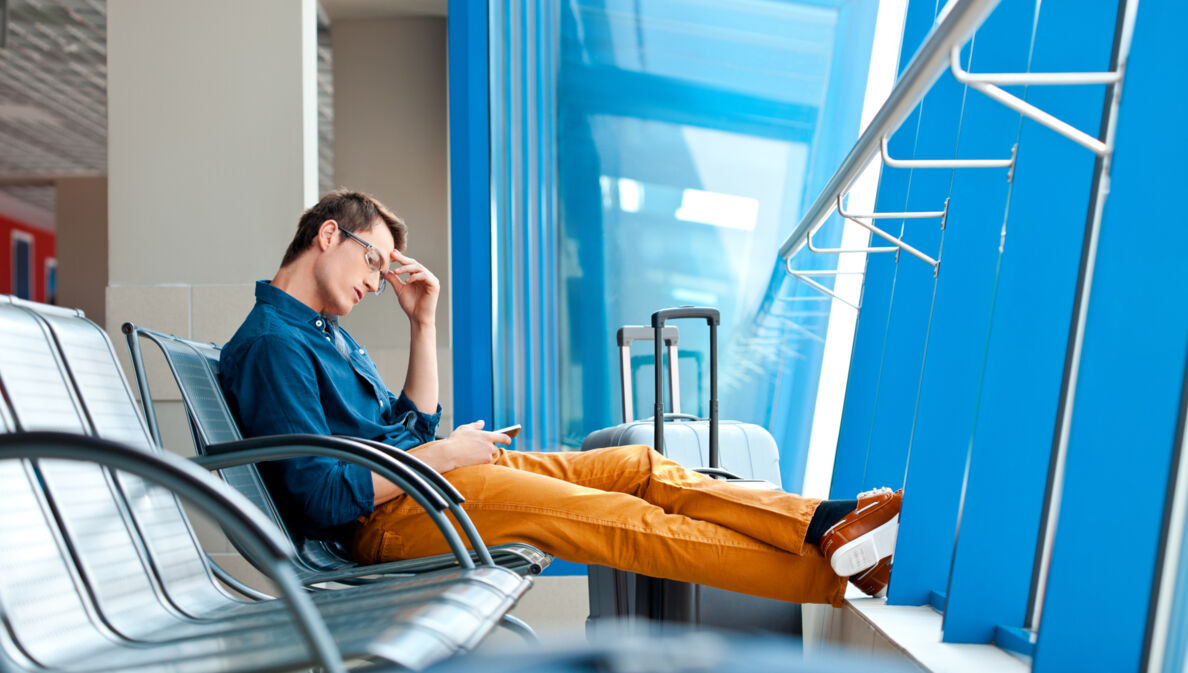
{"x": 245, "y": 524}
{"x": 421, "y": 467}
{"x": 278, "y": 447}
{"x": 444, "y": 486}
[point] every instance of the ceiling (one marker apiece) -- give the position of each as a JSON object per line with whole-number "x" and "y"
{"x": 53, "y": 90}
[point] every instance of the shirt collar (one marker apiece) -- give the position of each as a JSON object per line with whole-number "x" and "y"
{"x": 288, "y": 306}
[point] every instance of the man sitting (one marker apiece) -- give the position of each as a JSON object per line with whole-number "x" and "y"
{"x": 291, "y": 369}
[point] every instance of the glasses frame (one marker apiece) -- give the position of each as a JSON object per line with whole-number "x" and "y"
{"x": 383, "y": 282}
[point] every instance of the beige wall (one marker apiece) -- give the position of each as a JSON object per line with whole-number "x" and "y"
{"x": 212, "y": 154}
{"x": 82, "y": 245}
{"x": 390, "y": 140}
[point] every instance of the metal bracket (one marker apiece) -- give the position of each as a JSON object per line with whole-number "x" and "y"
{"x": 988, "y": 84}
{"x": 899, "y": 244}
{"x": 948, "y": 163}
{"x": 841, "y": 251}
{"x": 806, "y": 278}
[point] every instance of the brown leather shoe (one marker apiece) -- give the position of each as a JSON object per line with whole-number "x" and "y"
{"x": 874, "y": 582}
{"x": 865, "y": 536}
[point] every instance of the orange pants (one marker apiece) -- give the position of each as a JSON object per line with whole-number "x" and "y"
{"x": 626, "y": 507}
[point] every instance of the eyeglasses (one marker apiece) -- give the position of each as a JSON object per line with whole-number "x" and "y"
{"x": 373, "y": 257}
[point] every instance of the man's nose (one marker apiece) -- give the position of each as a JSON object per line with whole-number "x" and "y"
{"x": 372, "y": 282}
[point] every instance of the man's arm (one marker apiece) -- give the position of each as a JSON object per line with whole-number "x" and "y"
{"x": 467, "y": 445}
{"x": 420, "y": 382}
{"x": 418, "y": 299}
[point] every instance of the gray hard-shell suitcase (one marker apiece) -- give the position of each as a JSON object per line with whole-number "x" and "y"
{"x": 742, "y": 452}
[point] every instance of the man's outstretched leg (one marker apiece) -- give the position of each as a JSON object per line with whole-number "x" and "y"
{"x": 855, "y": 535}
{"x": 590, "y": 525}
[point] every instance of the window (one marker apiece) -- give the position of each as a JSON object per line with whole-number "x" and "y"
{"x": 684, "y": 139}
{"x": 22, "y": 264}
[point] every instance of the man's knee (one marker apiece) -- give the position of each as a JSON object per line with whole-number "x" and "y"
{"x": 639, "y": 454}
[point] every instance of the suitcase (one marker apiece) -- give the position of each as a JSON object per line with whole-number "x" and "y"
{"x": 741, "y": 452}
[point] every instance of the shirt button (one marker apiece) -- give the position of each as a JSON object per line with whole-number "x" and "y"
{"x": 318, "y": 323}
{"x": 361, "y": 351}
{"x": 381, "y": 404}
{"x": 327, "y": 337}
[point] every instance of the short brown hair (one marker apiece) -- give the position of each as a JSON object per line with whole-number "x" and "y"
{"x": 354, "y": 211}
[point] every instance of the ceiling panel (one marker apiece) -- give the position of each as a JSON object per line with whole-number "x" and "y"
{"x": 53, "y": 97}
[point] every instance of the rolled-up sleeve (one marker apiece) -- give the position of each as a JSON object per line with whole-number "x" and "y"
{"x": 413, "y": 427}
{"x": 278, "y": 378}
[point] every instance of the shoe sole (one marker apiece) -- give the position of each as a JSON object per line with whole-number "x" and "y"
{"x": 862, "y": 554}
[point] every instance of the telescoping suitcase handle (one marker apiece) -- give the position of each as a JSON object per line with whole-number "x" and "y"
{"x": 712, "y": 317}
{"x": 630, "y": 333}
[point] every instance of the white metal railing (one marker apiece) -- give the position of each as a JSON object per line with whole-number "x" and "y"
{"x": 960, "y": 18}
{"x": 941, "y": 51}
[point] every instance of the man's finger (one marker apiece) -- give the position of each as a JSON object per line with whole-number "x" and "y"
{"x": 499, "y": 438}
{"x": 421, "y": 277}
{"x": 402, "y": 258}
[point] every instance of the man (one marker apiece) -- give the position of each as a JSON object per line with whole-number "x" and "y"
{"x": 291, "y": 369}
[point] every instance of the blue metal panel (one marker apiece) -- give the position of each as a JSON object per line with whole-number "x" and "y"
{"x": 960, "y": 318}
{"x": 1129, "y": 390}
{"x": 935, "y": 136}
{"x": 470, "y": 221}
{"x": 854, "y": 435}
{"x": 853, "y": 440}
{"x": 1024, "y": 364}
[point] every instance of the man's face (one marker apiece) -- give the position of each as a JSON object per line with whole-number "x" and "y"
{"x": 343, "y": 273}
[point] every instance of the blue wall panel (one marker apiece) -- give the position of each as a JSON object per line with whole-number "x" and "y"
{"x": 853, "y": 443}
{"x": 470, "y": 214}
{"x": 1025, "y": 362}
{"x": 1129, "y": 391}
{"x": 960, "y": 320}
{"x": 934, "y": 136}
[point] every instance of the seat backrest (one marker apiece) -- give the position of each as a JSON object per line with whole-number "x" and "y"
{"x": 40, "y": 604}
{"x": 195, "y": 369}
{"x": 45, "y": 615}
{"x": 133, "y": 542}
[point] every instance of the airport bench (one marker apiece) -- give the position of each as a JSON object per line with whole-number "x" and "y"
{"x": 100, "y": 569}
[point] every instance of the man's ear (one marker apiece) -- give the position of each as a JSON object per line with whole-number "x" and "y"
{"x": 326, "y": 234}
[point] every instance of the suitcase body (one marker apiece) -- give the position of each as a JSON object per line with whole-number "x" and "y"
{"x": 743, "y": 450}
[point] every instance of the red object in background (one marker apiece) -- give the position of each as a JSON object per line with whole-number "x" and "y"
{"x": 29, "y": 247}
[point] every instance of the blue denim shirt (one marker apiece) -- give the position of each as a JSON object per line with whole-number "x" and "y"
{"x": 282, "y": 374}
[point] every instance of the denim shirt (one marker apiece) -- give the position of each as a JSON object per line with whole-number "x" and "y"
{"x": 282, "y": 374}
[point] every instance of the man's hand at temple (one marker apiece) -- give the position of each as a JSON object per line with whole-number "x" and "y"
{"x": 417, "y": 295}
{"x": 467, "y": 445}
{"x": 418, "y": 292}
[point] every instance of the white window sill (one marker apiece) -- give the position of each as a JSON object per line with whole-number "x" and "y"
{"x": 911, "y": 632}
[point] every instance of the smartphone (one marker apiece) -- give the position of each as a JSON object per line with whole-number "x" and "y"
{"x": 510, "y": 431}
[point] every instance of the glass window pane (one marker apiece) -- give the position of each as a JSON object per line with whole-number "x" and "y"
{"x": 689, "y": 136}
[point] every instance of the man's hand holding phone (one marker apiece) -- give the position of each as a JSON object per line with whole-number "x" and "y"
{"x": 511, "y": 431}
{"x": 467, "y": 445}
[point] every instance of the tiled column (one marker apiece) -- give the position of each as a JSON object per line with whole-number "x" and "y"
{"x": 212, "y": 154}
{"x": 212, "y": 132}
